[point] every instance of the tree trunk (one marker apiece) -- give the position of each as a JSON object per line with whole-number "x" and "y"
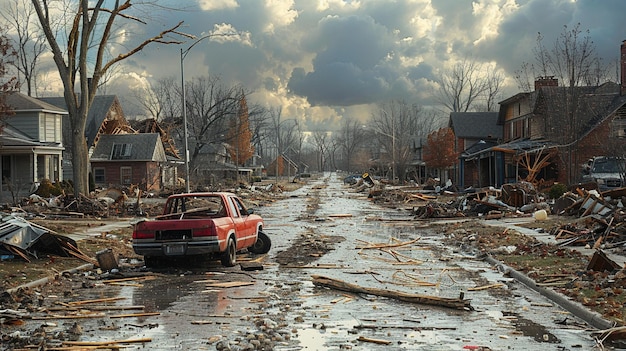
{"x": 80, "y": 161}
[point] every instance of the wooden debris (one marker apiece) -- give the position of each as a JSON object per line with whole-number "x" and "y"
{"x": 107, "y": 343}
{"x": 485, "y": 287}
{"x": 382, "y": 246}
{"x": 86, "y": 302}
{"x": 460, "y": 303}
{"x": 130, "y": 315}
{"x": 251, "y": 266}
{"x": 375, "y": 341}
{"x": 229, "y": 284}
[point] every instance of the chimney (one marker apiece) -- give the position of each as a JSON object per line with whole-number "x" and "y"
{"x": 623, "y": 68}
{"x": 547, "y": 81}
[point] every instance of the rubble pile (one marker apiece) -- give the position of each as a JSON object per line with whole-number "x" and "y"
{"x": 21, "y": 238}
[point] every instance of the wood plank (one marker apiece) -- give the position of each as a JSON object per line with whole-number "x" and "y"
{"x": 229, "y": 284}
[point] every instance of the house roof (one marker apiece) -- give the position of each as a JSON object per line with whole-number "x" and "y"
{"x": 22, "y": 102}
{"x": 475, "y": 125}
{"x": 143, "y": 147}
{"x": 97, "y": 113}
{"x": 11, "y": 138}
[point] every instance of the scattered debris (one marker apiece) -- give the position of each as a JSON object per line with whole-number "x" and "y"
{"x": 28, "y": 240}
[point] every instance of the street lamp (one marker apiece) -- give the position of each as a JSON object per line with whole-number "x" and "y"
{"x": 183, "y": 54}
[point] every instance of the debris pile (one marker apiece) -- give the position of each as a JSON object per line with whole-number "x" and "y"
{"x": 19, "y": 237}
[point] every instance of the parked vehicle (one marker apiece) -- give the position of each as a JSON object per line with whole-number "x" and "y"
{"x": 352, "y": 179}
{"x": 606, "y": 171}
{"x": 214, "y": 225}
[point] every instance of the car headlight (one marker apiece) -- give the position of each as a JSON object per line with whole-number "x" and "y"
{"x": 600, "y": 181}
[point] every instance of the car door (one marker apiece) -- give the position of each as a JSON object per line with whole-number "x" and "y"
{"x": 246, "y": 230}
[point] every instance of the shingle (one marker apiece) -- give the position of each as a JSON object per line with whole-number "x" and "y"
{"x": 476, "y": 125}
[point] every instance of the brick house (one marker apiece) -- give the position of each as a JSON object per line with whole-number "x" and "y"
{"x": 549, "y": 133}
{"x": 121, "y": 160}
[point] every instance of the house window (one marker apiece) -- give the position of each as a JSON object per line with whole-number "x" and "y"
{"x": 98, "y": 175}
{"x": 619, "y": 128}
{"x": 126, "y": 175}
{"x": 121, "y": 151}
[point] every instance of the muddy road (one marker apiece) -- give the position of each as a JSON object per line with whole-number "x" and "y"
{"x": 325, "y": 229}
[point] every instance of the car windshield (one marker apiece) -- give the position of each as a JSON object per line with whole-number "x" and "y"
{"x": 608, "y": 166}
{"x": 197, "y": 203}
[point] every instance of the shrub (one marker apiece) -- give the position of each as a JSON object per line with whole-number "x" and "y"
{"x": 47, "y": 189}
{"x": 557, "y": 190}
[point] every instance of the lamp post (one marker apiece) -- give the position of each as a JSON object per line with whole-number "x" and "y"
{"x": 183, "y": 54}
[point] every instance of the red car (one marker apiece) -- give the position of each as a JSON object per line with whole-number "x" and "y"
{"x": 217, "y": 225}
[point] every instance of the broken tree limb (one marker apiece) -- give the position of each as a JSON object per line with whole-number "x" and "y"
{"x": 459, "y": 304}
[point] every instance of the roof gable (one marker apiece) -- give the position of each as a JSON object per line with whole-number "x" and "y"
{"x": 101, "y": 107}
{"x": 475, "y": 125}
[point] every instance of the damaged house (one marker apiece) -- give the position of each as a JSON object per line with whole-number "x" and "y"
{"x": 551, "y": 132}
{"x": 105, "y": 117}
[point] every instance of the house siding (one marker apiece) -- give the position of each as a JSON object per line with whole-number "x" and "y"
{"x": 145, "y": 174}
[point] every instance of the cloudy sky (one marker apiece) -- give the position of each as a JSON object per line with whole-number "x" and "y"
{"x": 323, "y": 60}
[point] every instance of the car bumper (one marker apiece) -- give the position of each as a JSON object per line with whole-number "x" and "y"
{"x": 177, "y": 248}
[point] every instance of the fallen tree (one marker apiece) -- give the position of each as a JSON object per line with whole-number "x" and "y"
{"x": 455, "y": 303}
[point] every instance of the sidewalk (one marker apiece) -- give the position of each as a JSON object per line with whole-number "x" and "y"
{"x": 98, "y": 230}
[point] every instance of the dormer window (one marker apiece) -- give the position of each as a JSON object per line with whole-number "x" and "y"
{"x": 121, "y": 151}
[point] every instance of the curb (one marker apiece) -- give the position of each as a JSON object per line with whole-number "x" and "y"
{"x": 592, "y": 318}
{"x": 46, "y": 280}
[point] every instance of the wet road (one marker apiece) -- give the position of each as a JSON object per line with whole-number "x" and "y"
{"x": 282, "y": 304}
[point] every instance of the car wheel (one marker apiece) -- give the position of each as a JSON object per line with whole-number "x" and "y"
{"x": 229, "y": 257}
{"x": 262, "y": 244}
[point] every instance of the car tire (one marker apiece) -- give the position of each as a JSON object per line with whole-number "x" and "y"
{"x": 262, "y": 244}
{"x": 229, "y": 257}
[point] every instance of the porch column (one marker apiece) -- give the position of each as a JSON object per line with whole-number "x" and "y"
{"x": 59, "y": 167}
{"x": 33, "y": 162}
{"x": 479, "y": 161}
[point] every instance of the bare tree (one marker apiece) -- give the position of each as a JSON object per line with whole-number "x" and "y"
{"x": 462, "y": 86}
{"x": 210, "y": 105}
{"x": 161, "y": 100}
{"x": 81, "y": 62}
{"x": 30, "y": 41}
{"x": 399, "y": 128}
{"x": 285, "y": 134}
{"x": 320, "y": 140}
{"x": 350, "y": 138}
{"x": 573, "y": 60}
{"x": 7, "y": 83}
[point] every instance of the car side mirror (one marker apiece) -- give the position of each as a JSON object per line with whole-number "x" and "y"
{"x": 250, "y": 211}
